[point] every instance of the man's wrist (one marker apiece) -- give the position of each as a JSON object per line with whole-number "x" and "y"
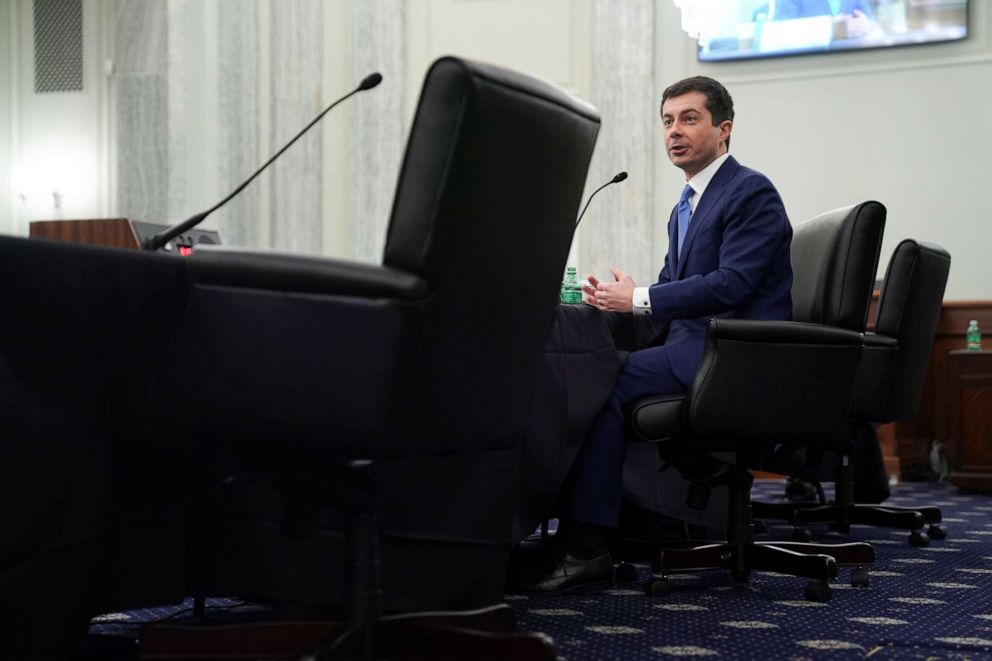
{"x": 642, "y": 300}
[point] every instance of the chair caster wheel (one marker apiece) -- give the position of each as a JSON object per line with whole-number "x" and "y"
{"x": 819, "y": 591}
{"x": 936, "y": 532}
{"x": 760, "y": 528}
{"x": 859, "y": 577}
{"x": 802, "y": 535}
{"x": 741, "y": 576}
{"x": 626, "y": 573}
{"x": 919, "y": 539}
{"x": 657, "y": 587}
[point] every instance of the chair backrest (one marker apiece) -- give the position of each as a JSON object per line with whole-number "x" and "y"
{"x": 834, "y": 262}
{"x": 891, "y": 377}
{"x": 834, "y": 259}
{"x": 484, "y": 212}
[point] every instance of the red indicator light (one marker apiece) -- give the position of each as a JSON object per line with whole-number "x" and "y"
{"x": 185, "y": 251}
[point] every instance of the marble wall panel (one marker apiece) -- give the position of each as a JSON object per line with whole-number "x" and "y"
{"x": 238, "y": 122}
{"x": 179, "y": 63}
{"x": 618, "y": 227}
{"x": 140, "y": 37}
{"x": 296, "y": 30}
{"x": 141, "y": 111}
{"x": 378, "y": 135}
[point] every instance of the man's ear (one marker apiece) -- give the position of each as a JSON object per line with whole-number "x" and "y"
{"x": 726, "y": 126}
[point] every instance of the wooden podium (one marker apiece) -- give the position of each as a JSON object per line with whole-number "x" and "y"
{"x": 116, "y": 232}
{"x": 970, "y": 388}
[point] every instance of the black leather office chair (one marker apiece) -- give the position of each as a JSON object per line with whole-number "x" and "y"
{"x": 762, "y": 384}
{"x": 309, "y": 370}
{"x": 888, "y": 387}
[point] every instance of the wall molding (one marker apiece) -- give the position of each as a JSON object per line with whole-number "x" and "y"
{"x": 860, "y": 69}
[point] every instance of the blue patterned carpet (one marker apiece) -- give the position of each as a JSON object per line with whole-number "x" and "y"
{"x": 923, "y": 603}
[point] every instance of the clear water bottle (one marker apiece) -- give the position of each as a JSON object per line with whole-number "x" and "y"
{"x": 571, "y": 291}
{"x": 974, "y": 336}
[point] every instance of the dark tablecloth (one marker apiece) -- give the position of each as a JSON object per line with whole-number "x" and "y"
{"x": 581, "y": 364}
{"x": 584, "y": 354}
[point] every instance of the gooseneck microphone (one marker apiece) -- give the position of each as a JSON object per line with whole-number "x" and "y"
{"x": 158, "y": 240}
{"x": 620, "y": 176}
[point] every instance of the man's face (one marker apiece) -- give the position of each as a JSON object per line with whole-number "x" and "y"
{"x": 691, "y": 140}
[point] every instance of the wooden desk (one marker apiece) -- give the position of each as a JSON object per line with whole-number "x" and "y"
{"x": 117, "y": 232}
{"x": 970, "y": 413}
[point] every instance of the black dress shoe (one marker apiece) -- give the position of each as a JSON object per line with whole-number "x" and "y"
{"x": 574, "y": 575}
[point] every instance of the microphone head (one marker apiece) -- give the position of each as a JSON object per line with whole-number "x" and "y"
{"x": 620, "y": 177}
{"x": 370, "y": 81}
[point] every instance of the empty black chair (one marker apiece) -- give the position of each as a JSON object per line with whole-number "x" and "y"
{"x": 888, "y": 387}
{"x": 763, "y": 384}
{"x": 309, "y": 371}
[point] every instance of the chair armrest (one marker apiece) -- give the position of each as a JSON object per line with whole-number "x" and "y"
{"x": 876, "y": 341}
{"x": 773, "y": 382}
{"x": 291, "y": 349}
{"x": 785, "y": 332}
{"x": 274, "y": 271}
{"x": 874, "y": 382}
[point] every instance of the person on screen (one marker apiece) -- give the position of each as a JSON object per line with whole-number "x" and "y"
{"x": 852, "y": 18}
{"x": 728, "y": 256}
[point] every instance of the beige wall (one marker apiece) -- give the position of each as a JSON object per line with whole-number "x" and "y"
{"x": 548, "y": 38}
{"x": 907, "y": 127}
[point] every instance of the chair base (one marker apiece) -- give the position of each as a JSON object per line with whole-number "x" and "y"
{"x": 741, "y": 554}
{"x": 487, "y": 634}
{"x": 844, "y": 511}
{"x": 841, "y": 516}
{"x": 819, "y": 561}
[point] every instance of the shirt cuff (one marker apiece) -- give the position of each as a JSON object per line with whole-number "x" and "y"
{"x": 642, "y": 300}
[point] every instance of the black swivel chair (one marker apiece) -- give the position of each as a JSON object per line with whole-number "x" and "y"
{"x": 888, "y": 387}
{"x": 308, "y": 371}
{"x": 761, "y": 385}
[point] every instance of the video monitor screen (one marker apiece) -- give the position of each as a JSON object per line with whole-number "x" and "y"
{"x": 767, "y": 28}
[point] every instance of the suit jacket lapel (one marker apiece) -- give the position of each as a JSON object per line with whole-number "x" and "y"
{"x": 711, "y": 196}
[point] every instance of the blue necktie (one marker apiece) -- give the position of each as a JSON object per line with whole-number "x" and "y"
{"x": 684, "y": 212}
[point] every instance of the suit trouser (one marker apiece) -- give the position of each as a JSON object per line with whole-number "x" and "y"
{"x": 593, "y": 490}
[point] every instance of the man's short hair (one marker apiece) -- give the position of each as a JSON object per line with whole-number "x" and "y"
{"x": 718, "y": 101}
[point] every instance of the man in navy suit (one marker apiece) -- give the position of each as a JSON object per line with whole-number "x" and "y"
{"x": 728, "y": 256}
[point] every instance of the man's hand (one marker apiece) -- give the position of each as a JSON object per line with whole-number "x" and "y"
{"x": 617, "y": 296}
{"x": 857, "y": 24}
